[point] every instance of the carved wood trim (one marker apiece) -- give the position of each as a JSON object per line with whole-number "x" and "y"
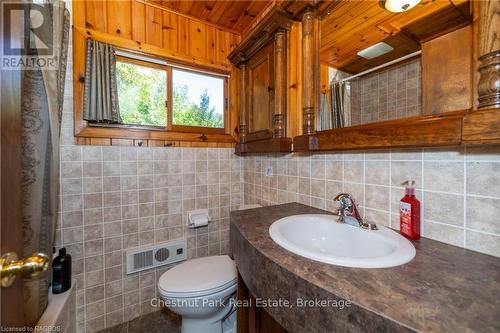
{"x": 489, "y": 55}
{"x": 309, "y": 51}
{"x": 263, "y": 33}
{"x": 243, "y": 128}
{"x": 489, "y": 81}
{"x": 280, "y": 84}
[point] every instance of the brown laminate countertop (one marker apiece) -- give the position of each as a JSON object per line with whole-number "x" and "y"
{"x": 443, "y": 289}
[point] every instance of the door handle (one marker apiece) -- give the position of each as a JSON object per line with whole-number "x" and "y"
{"x": 28, "y": 268}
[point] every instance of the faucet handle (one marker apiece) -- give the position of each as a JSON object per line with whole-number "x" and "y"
{"x": 346, "y": 203}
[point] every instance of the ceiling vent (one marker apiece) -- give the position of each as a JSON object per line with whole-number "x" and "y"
{"x": 375, "y": 50}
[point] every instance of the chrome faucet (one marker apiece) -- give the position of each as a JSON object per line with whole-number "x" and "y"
{"x": 348, "y": 212}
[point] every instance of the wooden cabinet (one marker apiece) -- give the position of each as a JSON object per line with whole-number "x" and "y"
{"x": 262, "y": 61}
{"x": 252, "y": 318}
{"x": 260, "y": 93}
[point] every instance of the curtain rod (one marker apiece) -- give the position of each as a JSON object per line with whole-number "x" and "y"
{"x": 411, "y": 55}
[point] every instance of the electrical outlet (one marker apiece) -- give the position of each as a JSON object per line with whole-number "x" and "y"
{"x": 269, "y": 171}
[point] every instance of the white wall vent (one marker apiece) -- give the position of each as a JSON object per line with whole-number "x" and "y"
{"x": 139, "y": 259}
{"x": 375, "y": 50}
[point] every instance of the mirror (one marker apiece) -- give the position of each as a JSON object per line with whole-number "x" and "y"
{"x": 371, "y": 66}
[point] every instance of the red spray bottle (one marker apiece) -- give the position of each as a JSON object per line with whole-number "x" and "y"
{"x": 409, "y": 212}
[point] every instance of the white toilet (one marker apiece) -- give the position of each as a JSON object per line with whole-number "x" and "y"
{"x": 200, "y": 290}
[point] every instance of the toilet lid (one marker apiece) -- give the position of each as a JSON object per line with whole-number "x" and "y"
{"x": 199, "y": 275}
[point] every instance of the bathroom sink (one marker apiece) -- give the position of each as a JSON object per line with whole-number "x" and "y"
{"x": 322, "y": 238}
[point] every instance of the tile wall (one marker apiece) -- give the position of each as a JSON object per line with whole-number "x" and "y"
{"x": 116, "y": 198}
{"x": 392, "y": 93}
{"x": 459, "y": 189}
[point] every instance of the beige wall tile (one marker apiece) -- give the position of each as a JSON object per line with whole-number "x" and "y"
{"x": 483, "y": 178}
{"x": 444, "y": 233}
{"x": 485, "y": 243}
{"x": 483, "y": 214}
{"x": 445, "y": 208}
{"x": 444, "y": 176}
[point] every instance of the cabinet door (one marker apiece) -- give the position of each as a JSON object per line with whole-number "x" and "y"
{"x": 261, "y": 93}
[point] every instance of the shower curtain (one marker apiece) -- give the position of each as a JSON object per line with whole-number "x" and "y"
{"x": 335, "y": 103}
{"x": 338, "y": 103}
{"x": 42, "y": 100}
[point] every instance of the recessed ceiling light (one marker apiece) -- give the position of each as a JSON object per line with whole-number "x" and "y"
{"x": 399, "y": 6}
{"x": 375, "y": 50}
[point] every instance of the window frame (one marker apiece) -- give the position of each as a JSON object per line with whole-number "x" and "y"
{"x": 148, "y": 64}
{"x": 169, "y": 107}
{"x": 196, "y": 129}
{"x": 96, "y": 133}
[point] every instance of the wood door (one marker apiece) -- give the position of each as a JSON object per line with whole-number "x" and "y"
{"x": 261, "y": 94}
{"x": 10, "y": 195}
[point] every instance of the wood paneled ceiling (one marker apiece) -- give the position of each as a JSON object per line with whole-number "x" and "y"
{"x": 353, "y": 26}
{"x": 235, "y": 15}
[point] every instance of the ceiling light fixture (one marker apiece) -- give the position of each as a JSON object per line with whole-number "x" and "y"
{"x": 399, "y": 6}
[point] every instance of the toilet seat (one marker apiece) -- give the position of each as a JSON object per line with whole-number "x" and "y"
{"x": 198, "y": 277}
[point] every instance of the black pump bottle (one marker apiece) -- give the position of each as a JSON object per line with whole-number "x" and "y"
{"x": 61, "y": 272}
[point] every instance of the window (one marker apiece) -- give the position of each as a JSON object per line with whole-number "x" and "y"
{"x": 154, "y": 93}
{"x": 142, "y": 92}
{"x": 198, "y": 99}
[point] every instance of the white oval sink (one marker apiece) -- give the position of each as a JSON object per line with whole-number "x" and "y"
{"x": 322, "y": 238}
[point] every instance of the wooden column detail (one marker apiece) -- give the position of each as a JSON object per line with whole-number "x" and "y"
{"x": 489, "y": 54}
{"x": 308, "y": 73}
{"x": 243, "y": 127}
{"x": 280, "y": 85}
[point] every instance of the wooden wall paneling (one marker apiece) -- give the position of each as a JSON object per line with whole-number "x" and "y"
{"x": 183, "y": 35}
{"x": 211, "y": 43}
{"x": 170, "y": 33}
{"x": 95, "y": 15}
{"x": 154, "y": 26}
{"x": 154, "y": 50}
{"x": 122, "y": 142}
{"x": 100, "y": 141}
{"x": 119, "y": 17}
{"x": 223, "y": 46}
{"x": 447, "y": 72}
{"x": 138, "y": 21}
{"x": 234, "y": 41}
{"x": 78, "y": 13}
{"x": 197, "y": 39}
{"x": 324, "y": 78}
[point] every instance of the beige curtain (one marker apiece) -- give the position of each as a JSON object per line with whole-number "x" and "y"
{"x": 42, "y": 100}
{"x": 100, "y": 94}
